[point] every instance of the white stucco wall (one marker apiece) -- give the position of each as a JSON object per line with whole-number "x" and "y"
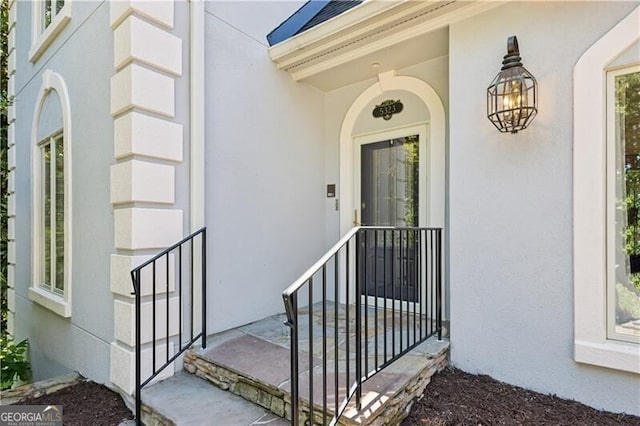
{"x": 182, "y": 114}
{"x": 82, "y": 55}
{"x": 264, "y": 166}
{"x": 511, "y": 206}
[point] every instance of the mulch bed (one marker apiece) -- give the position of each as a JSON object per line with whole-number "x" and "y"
{"x": 85, "y": 403}
{"x": 457, "y": 398}
{"x": 452, "y": 398}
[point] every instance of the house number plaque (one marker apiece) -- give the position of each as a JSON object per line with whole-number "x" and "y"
{"x": 387, "y": 108}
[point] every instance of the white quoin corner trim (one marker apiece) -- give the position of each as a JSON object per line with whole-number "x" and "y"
{"x": 436, "y": 137}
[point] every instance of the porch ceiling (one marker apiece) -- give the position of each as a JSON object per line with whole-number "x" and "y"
{"x": 393, "y": 34}
{"x": 413, "y": 51}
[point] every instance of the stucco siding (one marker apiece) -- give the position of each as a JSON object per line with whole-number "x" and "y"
{"x": 82, "y": 55}
{"x": 511, "y": 206}
{"x": 182, "y": 113}
{"x": 264, "y": 167}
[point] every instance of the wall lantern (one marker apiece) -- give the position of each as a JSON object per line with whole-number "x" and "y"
{"x": 512, "y": 97}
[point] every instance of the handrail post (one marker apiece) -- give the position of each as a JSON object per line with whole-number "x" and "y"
{"x": 439, "y": 285}
{"x": 358, "y": 342}
{"x": 293, "y": 326}
{"x": 138, "y": 291}
{"x": 204, "y": 289}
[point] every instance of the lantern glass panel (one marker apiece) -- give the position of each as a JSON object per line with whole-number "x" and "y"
{"x": 512, "y": 96}
{"x": 511, "y": 99}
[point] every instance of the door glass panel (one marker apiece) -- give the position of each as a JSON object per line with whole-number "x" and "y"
{"x": 389, "y": 182}
{"x": 389, "y": 197}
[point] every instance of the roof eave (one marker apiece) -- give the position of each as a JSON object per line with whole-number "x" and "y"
{"x": 331, "y": 43}
{"x": 366, "y": 10}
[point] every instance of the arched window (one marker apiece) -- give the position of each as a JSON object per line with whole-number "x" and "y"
{"x": 51, "y": 166}
{"x": 605, "y": 165}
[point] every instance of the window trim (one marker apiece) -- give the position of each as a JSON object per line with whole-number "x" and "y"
{"x": 591, "y": 345}
{"x": 42, "y": 39}
{"x": 60, "y": 304}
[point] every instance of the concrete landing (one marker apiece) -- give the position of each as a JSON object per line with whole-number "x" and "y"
{"x": 185, "y": 400}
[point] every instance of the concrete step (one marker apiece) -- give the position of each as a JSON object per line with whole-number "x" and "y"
{"x": 253, "y": 363}
{"x": 185, "y": 400}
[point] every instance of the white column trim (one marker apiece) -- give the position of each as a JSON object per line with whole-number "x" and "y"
{"x": 148, "y": 57}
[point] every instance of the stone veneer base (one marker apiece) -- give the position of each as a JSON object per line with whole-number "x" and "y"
{"x": 278, "y": 401}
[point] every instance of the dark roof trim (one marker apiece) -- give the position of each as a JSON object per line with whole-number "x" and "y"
{"x": 312, "y": 13}
{"x": 332, "y": 9}
{"x": 295, "y": 22}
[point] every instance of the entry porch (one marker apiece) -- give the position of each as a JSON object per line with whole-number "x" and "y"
{"x": 249, "y": 368}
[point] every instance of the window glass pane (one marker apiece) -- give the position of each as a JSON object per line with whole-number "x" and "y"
{"x": 627, "y": 216}
{"x": 59, "y": 5}
{"x": 46, "y": 213}
{"x": 48, "y": 13}
{"x": 59, "y": 219}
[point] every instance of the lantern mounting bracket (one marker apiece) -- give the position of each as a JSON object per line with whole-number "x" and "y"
{"x": 512, "y": 58}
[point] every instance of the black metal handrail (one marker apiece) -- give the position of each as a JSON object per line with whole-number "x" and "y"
{"x": 371, "y": 272}
{"x": 183, "y": 256}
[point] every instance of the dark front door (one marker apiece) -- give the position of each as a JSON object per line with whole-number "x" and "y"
{"x": 389, "y": 197}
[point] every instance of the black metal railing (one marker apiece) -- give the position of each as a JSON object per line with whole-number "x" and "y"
{"x": 168, "y": 284}
{"x": 373, "y": 297}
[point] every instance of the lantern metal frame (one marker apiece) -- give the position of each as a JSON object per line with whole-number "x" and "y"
{"x": 512, "y": 96}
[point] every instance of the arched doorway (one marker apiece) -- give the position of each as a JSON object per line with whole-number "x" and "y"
{"x": 432, "y": 146}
